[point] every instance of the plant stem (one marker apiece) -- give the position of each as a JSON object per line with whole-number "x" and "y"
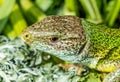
{"x": 92, "y": 11}
{"x": 111, "y": 17}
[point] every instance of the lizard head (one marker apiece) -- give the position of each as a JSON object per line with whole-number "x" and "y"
{"x": 62, "y": 36}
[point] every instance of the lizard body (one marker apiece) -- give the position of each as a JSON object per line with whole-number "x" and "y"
{"x": 76, "y": 40}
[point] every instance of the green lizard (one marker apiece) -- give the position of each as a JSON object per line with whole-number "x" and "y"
{"x": 78, "y": 41}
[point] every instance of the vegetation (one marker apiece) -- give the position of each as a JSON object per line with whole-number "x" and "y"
{"x": 16, "y": 14}
{"x": 20, "y": 63}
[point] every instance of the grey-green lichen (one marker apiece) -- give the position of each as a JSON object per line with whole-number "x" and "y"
{"x": 20, "y": 63}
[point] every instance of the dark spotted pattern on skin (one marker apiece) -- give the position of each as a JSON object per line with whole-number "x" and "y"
{"x": 60, "y": 32}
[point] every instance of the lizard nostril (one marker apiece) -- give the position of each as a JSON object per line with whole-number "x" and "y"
{"x": 26, "y": 35}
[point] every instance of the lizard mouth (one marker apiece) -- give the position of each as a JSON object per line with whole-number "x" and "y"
{"x": 69, "y": 56}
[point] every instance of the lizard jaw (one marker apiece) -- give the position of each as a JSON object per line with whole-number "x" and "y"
{"x": 69, "y": 56}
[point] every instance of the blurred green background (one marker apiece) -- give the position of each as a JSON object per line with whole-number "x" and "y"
{"x": 16, "y": 15}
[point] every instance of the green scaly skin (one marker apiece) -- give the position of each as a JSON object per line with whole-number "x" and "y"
{"x": 105, "y": 46}
{"x": 77, "y": 41}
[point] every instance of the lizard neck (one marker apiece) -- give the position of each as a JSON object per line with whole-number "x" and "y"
{"x": 103, "y": 40}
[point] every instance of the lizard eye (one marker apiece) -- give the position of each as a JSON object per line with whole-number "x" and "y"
{"x": 54, "y": 38}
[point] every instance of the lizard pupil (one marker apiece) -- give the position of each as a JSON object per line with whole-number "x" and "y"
{"x": 54, "y": 39}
